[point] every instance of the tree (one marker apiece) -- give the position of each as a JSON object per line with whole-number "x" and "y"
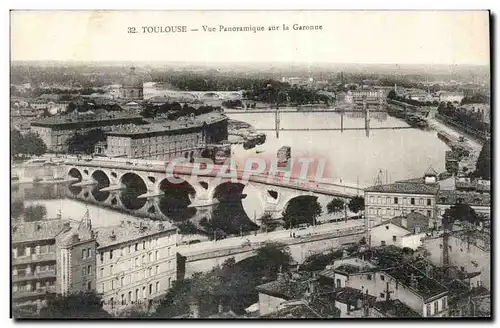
{"x": 187, "y": 228}
{"x": 79, "y": 305}
{"x": 461, "y": 212}
{"x": 16, "y": 208}
{"x": 34, "y": 145}
{"x": 267, "y": 222}
{"x": 301, "y": 210}
{"x": 336, "y": 205}
{"x": 356, "y": 204}
{"x": 34, "y": 213}
{"x": 483, "y": 169}
{"x": 273, "y": 258}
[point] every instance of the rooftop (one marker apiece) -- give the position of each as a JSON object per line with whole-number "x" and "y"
{"x": 128, "y": 231}
{"x": 450, "y": 197}
{"x": 405, "y": 188}
{"x": 299, "y": 311}
{"x": 165, "y": 126}
{"x": 416, "y": 280}
{"x": 284, "y": 288}
{"x": 395, "y": 308}
{"x": 80, "y": 118}
{"x": 348, "y": 295}
{"x": 414, "y": 221}
{"x": 37, "y": 230}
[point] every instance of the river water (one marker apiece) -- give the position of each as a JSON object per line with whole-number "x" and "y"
{"x": 351, "y": 156}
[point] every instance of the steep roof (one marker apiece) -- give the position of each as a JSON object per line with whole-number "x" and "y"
{"x": 405, "y": 188}
{"x": 395, "y": 308}
{"x": 413, "y": 220}
{"x": 284, "y": 288}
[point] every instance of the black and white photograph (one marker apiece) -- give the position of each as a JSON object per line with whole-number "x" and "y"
{"x": 251, "y": 164}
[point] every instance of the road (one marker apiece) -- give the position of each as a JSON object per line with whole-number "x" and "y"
{"x": 270, "y": 236}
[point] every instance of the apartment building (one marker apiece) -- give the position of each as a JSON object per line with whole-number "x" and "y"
{"x": 405, "y": 283}
{"x": 469, "y": 252}
{"x": 136, "y": 263}
{"x": 34, "y": 261}
{"x": 385, "y": 201}
{"x": 76, "y": 258}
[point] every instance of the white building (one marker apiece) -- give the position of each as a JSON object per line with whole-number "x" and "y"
{"x": 401, "y": 231}
{"x": 137, "y": 263}
{"x": 469, "y": 252}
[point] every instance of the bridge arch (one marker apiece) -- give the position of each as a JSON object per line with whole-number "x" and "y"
{"x": 134, "y": 187}
{"x": 175, "y": 199}
{"x": 75, "y": 173}
{"x": 228, "y": 191}
{"x": 299, "y": 208}
{"x": 211, "y": 95}
{"x": 103, "y": 181}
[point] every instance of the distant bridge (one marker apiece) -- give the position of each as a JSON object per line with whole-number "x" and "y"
{"x": 205, "y": 95}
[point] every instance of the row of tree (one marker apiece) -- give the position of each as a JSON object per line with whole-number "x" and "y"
{"x": 26, "y": 145}
{"x": 175, "y": 110}
{"x": 472, "y": 120}
{"x": 30, "y": 213}
{"x": 278, "y": 92}
{"x": 85, "y": 142}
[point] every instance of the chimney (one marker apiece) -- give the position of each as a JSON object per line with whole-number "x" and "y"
{"x": 160, "y": 226}
{"x": 404, "y": 222}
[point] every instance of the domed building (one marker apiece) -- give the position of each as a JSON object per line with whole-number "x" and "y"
{"x": 132, "y": 87}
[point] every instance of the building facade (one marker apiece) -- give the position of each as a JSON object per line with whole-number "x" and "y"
{"x": 136, "y": 263}
{"x": 423, "y": 295}
{"x": 34, "y": 261}
{"x": 385, "y": 201}
{"x": 186, "y": 137}
{"x": 370, "y": 96}
{"x": 403, "y": 231}
{"x": 76, "y": 258}
{"x": 56, "y": 131}
{"x": 468, "y": 252}
{"x": 453, "y": 97}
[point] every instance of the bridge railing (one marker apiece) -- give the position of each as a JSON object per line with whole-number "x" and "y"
{"x": 187, "y": 169}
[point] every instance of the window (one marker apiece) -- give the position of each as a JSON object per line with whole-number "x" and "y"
{"x": 396, "y": 200}
{"x": 111, "y": 269}
{"x": 112, "y": 284}
{"x": 428, "y": 310}
{"x": 144, "y": 244}
{"x": 129, "y": 296}
{"x": 84, "y": 253}
{"x": 112, "y": 301}
{"x": 150, "y": 257}
{"x": 101, "y": 273}
{"x": 150, "y": 289}
{"x": 382, "y": 295}
{"x": 129, "y": 249}
{"x": 123, "y": 299}
{"x": 157, "y": 269}
{"x": 441, "y": 246}
{"x": 84, "y": 271}
{"x": 169, "y": 282}
{"x": 443, "y": 303}
{"x": 429, "y": 202}
{"x": 462, "y": 269}
{"x": 89, "y": 269}
{"x": 150, "y": 272}
{"x": 436, "y": 307}
{"x": 157, "y": 256}
{"x": 89, "y": 285}
{"x": 136, "y": 261}
{"x": 102, "y": 258}
{"x": 111, "y": 254}
{"x": 89, "y": 252}
{"x": 122, "y": 281}
{"x": 122, "y": 250}
{"x": 382, "y": 243}
{"x": 102, "y": 288}
{"x": 387, "y": 227}
{"x": 143, "y": 259}
{"x": 144, "y": 291}
{"x": 429, "y": 213}
{"x": 136, "y": 247}
{"x": 394, "y": 238}
{"x": 137, "y": 294}
{"x": 382, "y": 277}
{"x": 157, "y": 286}
{"x": 369, "y": 277}
{"x": 449, "y": 247}
{"x": 412, "y": 201}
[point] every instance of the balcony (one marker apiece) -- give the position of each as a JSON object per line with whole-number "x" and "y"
{"x": 34, "y": 276}
{"x": 33, "y": 293}
{"x": 34, "y": 258}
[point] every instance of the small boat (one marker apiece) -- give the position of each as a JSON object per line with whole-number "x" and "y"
{"x": 258, "y": 151}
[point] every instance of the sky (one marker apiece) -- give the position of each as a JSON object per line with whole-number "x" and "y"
{"x": 368, "y": 37}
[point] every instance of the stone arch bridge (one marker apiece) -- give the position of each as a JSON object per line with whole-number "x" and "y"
{"x": 135, "y": 185}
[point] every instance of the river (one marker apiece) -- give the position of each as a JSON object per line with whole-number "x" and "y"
{"x": 351, "y": 156}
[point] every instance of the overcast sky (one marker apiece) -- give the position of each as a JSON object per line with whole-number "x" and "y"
{"x": 388, "y": 37}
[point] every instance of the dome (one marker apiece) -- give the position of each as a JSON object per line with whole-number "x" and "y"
{"x": 132, "y": 80}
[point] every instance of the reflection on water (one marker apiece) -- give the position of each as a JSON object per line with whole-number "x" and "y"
{"x": 351, "y": 156}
